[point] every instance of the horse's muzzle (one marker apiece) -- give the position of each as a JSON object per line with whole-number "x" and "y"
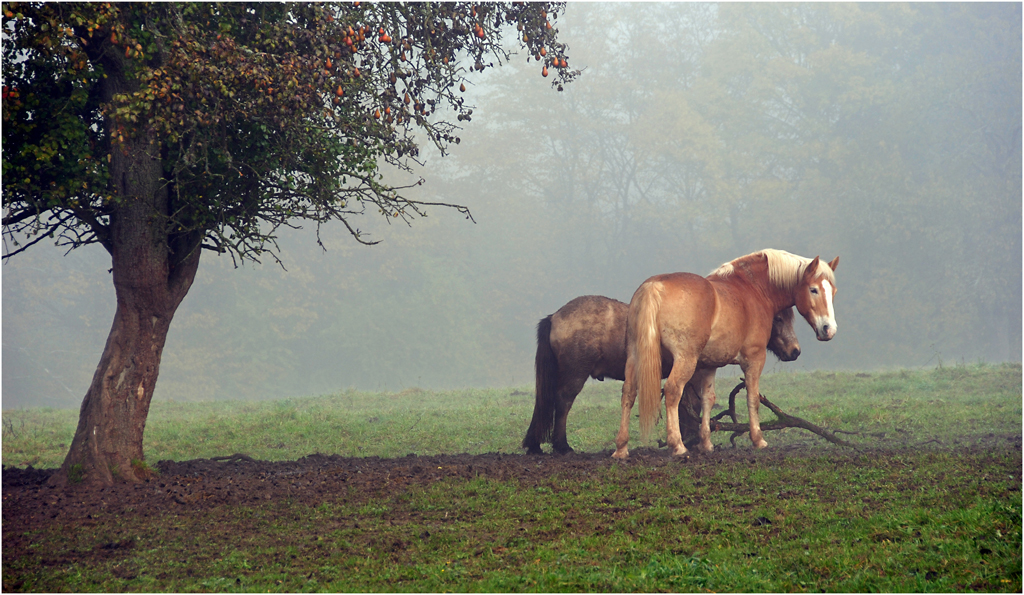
{"x": 826, "y": 332}
{"x": 791, "y": 356}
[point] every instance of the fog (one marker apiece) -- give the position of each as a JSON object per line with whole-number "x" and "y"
{"x": 887, "y": 135}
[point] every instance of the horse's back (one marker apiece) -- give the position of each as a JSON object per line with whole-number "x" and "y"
{"x": 689, "y": 305}
{"x": 588, "y": 334}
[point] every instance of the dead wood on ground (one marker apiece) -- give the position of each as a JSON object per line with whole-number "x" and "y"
{"x": 691, "y": 426}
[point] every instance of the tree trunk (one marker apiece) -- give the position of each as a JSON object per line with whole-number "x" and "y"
{"x": 152, "y": 271}
{"x": 107, "y": 446}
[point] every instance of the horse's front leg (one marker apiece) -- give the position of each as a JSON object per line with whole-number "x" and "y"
{"x": 629, "y": 388}
{"x": 704, "y": 381}
{"x": 682, "y": 371}
{"x": 752, "y": 375}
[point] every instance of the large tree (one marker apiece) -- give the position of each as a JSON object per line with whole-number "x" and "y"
{"x": 162, "y": 130}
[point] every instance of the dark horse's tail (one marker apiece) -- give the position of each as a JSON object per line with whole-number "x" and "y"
{"x": 547, "y": 388}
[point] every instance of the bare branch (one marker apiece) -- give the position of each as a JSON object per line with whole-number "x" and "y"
{"x": 24, "y": 247}
{"x": 785, "y": 420}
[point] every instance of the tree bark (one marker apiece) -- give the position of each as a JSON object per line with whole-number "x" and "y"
{"x": 152, "y": 270}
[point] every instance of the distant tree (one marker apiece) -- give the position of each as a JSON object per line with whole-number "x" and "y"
{"x": 160, "y": 130}
{"x": 888, "y": 131}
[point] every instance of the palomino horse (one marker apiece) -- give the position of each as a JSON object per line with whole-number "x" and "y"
{"x": 707, "y": 323}
{"x": 587, "y": 338}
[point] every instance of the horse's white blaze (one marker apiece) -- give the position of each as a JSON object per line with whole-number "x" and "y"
{"x": 829, "y": 318}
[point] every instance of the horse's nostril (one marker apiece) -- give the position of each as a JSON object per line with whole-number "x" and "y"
{"x": 796, "y": 353}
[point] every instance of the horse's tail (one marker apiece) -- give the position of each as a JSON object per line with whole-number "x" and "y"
{"x": 546, "y": 365}
{"x": 646, "y": 345}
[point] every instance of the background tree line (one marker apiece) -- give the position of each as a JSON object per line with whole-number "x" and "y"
{"x": 887, "y": 134}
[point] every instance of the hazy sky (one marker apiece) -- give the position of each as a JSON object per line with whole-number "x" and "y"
{"x": 884, "y": 135}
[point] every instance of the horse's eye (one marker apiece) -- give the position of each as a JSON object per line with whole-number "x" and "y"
{"x": 814, "y": 291}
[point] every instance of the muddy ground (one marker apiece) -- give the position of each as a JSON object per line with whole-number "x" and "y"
{"x": 209, "y": 489}
{"x": 203, "y": 484}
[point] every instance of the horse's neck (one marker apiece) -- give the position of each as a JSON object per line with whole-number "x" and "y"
{"x": 752, "y": 279}
{"x": 779, "y": 299}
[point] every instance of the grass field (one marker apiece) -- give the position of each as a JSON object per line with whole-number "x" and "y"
{"x": 945, "y": 405}
{"x": 932, "y": 502}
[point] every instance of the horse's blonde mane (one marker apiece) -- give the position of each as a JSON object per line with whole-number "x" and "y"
{"x": 784, "y": 269}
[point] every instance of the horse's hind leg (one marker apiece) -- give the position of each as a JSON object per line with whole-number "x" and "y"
{"x": 536, "y": 433}
{"x": 689, "y": 416}
{"x": 567, "y": 393}
{"x": 704, "y": 382}
{"x": 682, "y": 370}
{"x": 628, "y": 399}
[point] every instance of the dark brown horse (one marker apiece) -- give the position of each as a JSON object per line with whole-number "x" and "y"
{"x": 587, "y": 338}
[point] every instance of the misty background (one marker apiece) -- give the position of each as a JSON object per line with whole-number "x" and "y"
{"x": 889, "y": 135}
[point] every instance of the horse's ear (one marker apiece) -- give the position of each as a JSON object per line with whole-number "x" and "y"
{"x": 812, "y": 270}
{"x": 835, "y": 262}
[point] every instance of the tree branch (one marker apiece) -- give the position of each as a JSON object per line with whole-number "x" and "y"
{"x": 785, "y": 420}
{"x": 24, "y": 247}
{"x": 45, "y": 231}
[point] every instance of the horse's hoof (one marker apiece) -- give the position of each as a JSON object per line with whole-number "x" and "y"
{"x": 707, "y": 447}
{"x": 760, "y": 444}
{"x": 680, "y": 452}
{"x": 563, "y": 450}
{"x": 621, "y": 453}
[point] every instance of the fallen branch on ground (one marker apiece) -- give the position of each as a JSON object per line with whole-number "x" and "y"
{"x": 784, "y": 420}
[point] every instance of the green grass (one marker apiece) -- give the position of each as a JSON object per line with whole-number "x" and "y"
{"x": 932, "y": 503}
{"x": 947, "y": 405}
{"x": 856, "y": 525}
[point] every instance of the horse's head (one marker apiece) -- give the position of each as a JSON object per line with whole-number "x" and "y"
{"x": 814, "y": 295}
{"x": 783, "y": 342}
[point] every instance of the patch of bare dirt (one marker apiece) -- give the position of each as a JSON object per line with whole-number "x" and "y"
{"x": 205, "y": 484}
{"x": 213, "y": 489}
